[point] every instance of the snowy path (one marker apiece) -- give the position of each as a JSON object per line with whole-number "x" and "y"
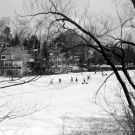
{"x": 61, "y": 100}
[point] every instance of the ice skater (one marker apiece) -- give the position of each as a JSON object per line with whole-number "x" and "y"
{"x": 76, "y": 80}
{"x": 51, "y": 82}
{"x": 88, "y": 78}
{"x": 71, "y": 79}
{"x": 60, "y": 81}
{"x": 83, "y": 81}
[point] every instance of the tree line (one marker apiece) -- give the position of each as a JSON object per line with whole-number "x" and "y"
{"x": 69, "y": 42}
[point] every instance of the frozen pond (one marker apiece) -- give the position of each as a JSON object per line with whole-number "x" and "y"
{"x": 60, "y": 102}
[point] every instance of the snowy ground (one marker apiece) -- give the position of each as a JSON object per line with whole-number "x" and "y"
{"x": 66, "y": 100}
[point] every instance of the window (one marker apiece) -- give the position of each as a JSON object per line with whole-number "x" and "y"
{"x": 13, "y": 63}
{"x": 8, "y": 64}
{"x": 3, "y": 57}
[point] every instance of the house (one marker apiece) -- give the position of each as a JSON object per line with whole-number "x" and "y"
{"x": 14, "y": 59}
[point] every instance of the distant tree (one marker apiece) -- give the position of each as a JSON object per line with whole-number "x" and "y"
{"x": 130, "y": 55}
{"x": 21, "y": 27}
{"x": 12, "y": 42}
{"x": 33, "y": 45}
{"x": 47, "y": 62}
{"x": 25, "y": 43}
{"x": 45, "y": 51}
{"x": 94, "y": 61}
{"x": 65, "y": 42}
{"x": 16, "y": 39}
{"x": 6, "y": 31}
{"x": 5, "y": 22}
{"x": 5, "y": 36}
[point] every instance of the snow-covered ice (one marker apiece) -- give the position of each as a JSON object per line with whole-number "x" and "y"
{"x": 65, "y": 100}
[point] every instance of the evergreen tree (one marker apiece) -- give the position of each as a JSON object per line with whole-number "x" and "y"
{"x": 25, "y": 43}
{"x": 33, "y": 45}
{"x": 45, "y": 51}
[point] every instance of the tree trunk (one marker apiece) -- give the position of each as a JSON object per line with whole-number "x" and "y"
{"x": 133, "y": 1}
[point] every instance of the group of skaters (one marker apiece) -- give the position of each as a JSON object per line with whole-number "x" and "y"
{"x": 51, "y": 82}
{"x": 72, "y": 80}
{"x": 85, "y": 81}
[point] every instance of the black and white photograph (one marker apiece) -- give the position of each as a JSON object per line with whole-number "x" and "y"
{"x": 67, "y": 67}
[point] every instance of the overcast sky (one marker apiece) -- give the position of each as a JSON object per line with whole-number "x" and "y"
{"x": 7, "y": 7}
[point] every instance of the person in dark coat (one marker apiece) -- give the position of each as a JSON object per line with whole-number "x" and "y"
{"x": 76, "y": 80}
{"x": 88, "y": 77}
{"x": 60, "y": 81}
